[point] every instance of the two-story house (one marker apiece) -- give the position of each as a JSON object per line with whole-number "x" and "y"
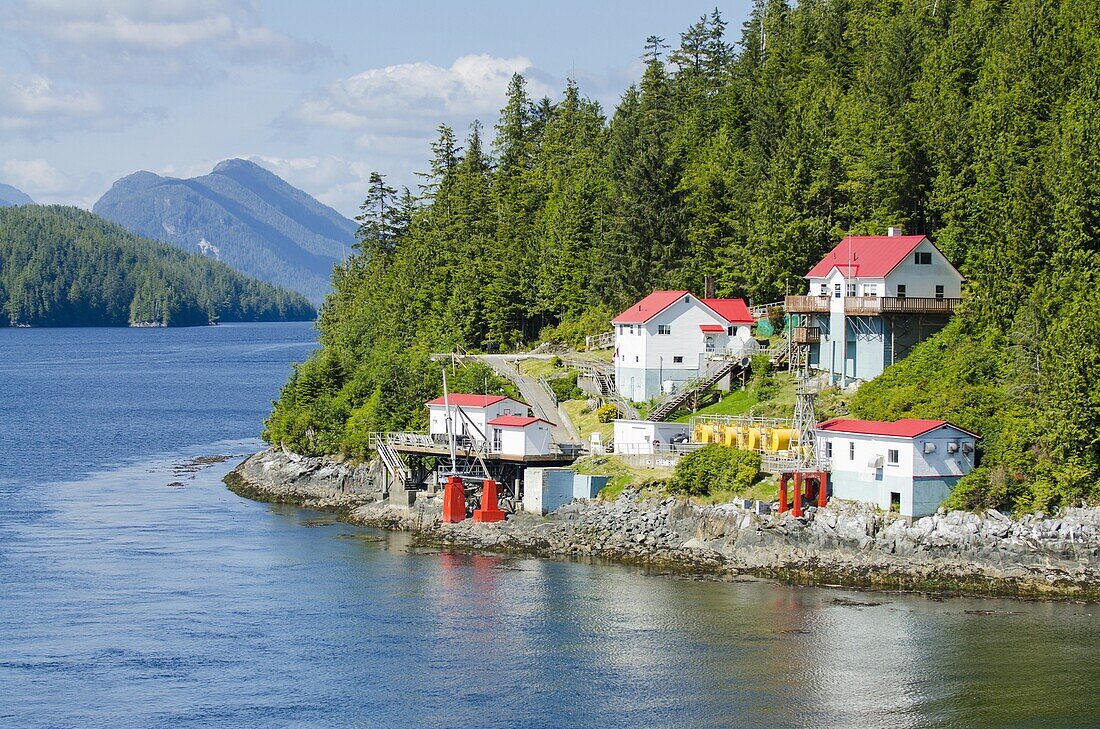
{"x": 665, "y": 339}
{"x": 870, "y": 301}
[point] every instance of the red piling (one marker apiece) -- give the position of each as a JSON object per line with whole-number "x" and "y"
{"x": 823, "y": 489}
{"x": 490, "y": 506}
{"x": 796, "y": 511}
{"x": 454, "y": 501}
{"x": 782, "y": 492}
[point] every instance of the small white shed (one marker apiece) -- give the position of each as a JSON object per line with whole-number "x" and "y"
{"x": 645, "y": 437}
{"x": 519, "y": 435}
{"x": 477, "y": 409}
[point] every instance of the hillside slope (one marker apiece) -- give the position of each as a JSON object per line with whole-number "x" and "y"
{"x": 13, "y": 196}
{"x": 62, "y": 266}
{"x": 240, "y": 214}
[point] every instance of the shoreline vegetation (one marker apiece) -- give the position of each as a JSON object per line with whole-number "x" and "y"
{"x": 955, "y": 553}
{"x": 66, "y": 267}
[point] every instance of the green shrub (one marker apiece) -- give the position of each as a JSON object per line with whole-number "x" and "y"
{"x": 715, "y": 468}
{"x": 606, "y": 413}
{"x": 565, "y": 388}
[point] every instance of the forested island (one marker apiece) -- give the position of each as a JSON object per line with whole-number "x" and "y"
{"x": 974, "y": 123}
{"x": 63, "y": 266}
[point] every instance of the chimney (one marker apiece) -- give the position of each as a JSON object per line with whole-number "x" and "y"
{"x": 893, "y": 231}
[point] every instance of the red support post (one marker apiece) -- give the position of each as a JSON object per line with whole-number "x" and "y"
{"x": 796, "y": 511}
{"x": 490, "y": 505}
{"x": 782, "y": 492}
{"x": 454, "y": 501}
{"x": 823, "y": 489}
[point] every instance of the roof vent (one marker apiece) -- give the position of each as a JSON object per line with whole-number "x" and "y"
{"x": 894, "y": 231}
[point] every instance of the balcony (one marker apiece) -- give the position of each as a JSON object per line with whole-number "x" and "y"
{"x": 807, "y": 304}
{"x": 879, "y": 305}
{"x": 806, "y": 335}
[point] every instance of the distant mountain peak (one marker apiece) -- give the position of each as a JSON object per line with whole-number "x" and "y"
{"x": 262, "y": 225}
{"x": 10, "y": 196}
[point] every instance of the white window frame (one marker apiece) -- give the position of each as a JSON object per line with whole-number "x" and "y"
{"x": 851, "y": 450}
{"x": 677, "y": 359}
{"x": 851, "y": 289}
{"x": 893, "y": 457}
{"x": 664, "y": 329}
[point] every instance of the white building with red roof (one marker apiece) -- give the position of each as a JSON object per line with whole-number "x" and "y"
{"x": 871, "y": 299}
{"x": 476, "y": 412}
{"x": 663, "y": 340}
{"x": 909, "y": 466}
{"x": 519, "y": 435}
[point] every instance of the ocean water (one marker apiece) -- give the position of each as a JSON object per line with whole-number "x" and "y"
{"x": 136, "y": 591}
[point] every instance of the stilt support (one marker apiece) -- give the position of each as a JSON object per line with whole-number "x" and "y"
{"x": 782, "y": 492}
{"x": 796, "y": 510}
{"x": 490, "y": 504}
{"x": 454, "y": 501}
{"x": 823, "y": 489}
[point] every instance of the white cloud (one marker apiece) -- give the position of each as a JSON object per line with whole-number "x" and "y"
{"x": 389, "y": 99}
{"x": 34, "y": 107}
{"x": 167, "y": 40}
{"x": 46, "y": 184}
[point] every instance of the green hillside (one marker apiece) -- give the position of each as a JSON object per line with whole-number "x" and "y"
{"x": 975, "y": 122}
{"x": 62, "y": 266}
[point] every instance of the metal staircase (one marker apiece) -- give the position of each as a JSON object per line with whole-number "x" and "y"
{"x": 603, "y": 374}
{"x": 392, "y": 461}
{"x": 716, "y": 369}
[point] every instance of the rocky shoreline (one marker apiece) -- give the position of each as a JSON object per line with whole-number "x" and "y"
{"x": 1050, "y": 557}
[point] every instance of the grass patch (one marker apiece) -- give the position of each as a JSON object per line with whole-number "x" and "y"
{"x": 623, "y": 476}
{"x": 766, "y": 489}
{"x": 538, "y": 367}
{"x": 586, "y": 423}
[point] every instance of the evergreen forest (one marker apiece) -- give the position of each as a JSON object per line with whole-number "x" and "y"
{"x": 744, "y": 156}
{"x": 62, "y": 266}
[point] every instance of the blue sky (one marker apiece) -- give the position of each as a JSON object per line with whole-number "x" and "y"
{"x": 320, "y": 92}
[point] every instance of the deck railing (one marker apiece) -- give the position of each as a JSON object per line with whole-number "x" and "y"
{"x": 806, "y": 335}
{"x": 807, "y": 304}
{"x": 877, "y": 305}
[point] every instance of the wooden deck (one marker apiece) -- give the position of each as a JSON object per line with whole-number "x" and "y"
{"x": 806, "y": 304}
{"x": 879, "y": 305}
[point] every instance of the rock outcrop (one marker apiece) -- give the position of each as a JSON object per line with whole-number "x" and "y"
{"x": 845, "y": 543}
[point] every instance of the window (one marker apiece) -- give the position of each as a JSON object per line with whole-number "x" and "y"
{"x": 939, "y": 291}
{"x": 870, "y": 289}
{"x": 922, "y": 258}
{"x": 851, "y": 450}
{"x": 678, "y": 360}
{"x": 824, "y": 290}
{"x": 901, "y": 291}
{"x": 635, "y": 358}
{"x": 836, "y": 291}
{"x": 496, "y": 439}
{"x": 851, "y": 288}
{"x": 828, "y": 449}
{"x": 892, "y": 457}
{"x": 664, "y": 329}
{"x": 631, "y": 328}
{"x": 729, "y": 331}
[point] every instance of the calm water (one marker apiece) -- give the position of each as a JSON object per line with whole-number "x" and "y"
{"x": 139, "y": 592}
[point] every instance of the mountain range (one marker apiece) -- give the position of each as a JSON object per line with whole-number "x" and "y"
{"x": 11, "y": 196}
{"x": 241, "y": 214}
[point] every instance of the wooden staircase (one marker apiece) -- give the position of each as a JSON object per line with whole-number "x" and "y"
{"x": 716, "y": 369}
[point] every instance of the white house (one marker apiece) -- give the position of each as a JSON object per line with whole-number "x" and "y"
{"x": 871, "y": 299}
{"x": 519, "y": 435}
{"x": 909, "y": 465}
{"x": 476, "y": 412}
{"x": 664, "y": 340}
{"x": 646, "y": 437}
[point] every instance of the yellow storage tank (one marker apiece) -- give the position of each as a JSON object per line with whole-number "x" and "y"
{"x": 751, "y": 438}
{"x": 779, "y": 439}
{"x": 702, "y": 433}
{"x": 729, "y": 436}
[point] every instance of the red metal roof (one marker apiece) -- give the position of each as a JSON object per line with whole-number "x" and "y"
{"x": 712, "y": 328}
{"x": 870, "y": 256}
{"x": 649, "y": 307}
{"x": 464, "y": 400}
{"x": 905, "y": 428}
{"x": 735, "y": 311}
{"x": 516, "y": 421}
